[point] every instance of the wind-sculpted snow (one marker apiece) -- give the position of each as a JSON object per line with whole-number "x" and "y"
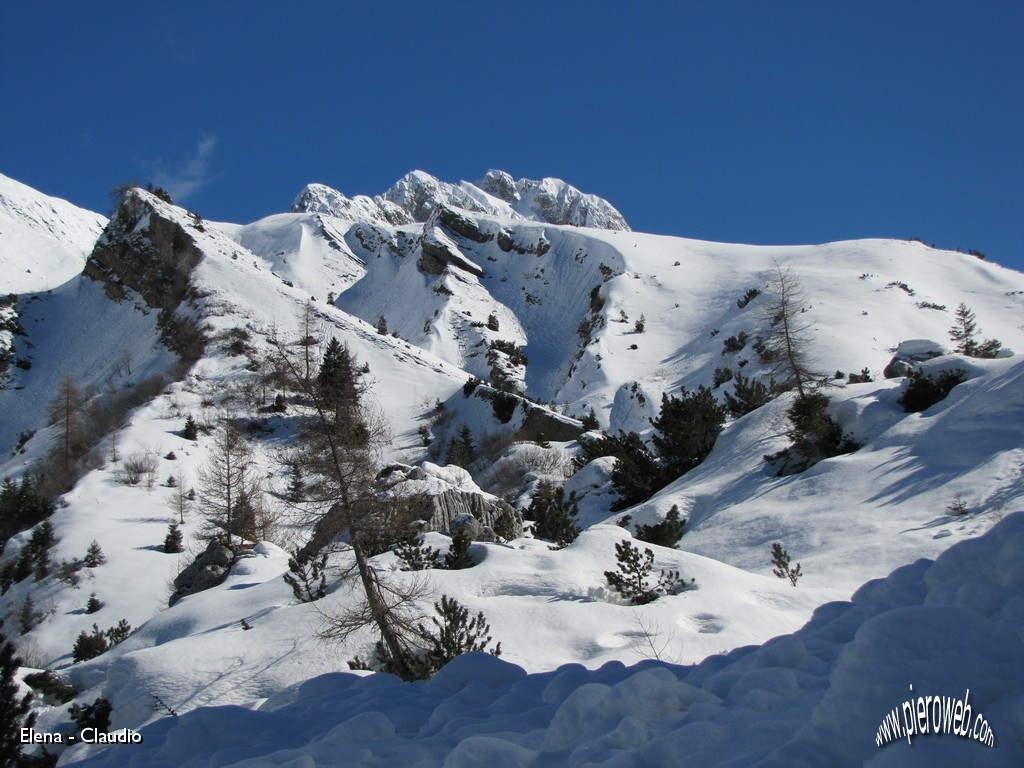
{"x": 952, "y": 628}
{"x": 44, "y": 240}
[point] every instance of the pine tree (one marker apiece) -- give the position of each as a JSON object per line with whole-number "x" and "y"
{"x": 93, "y": 604}
{"x": 554, "y": 515}
{"x": 748, "y": 395}
{"x": 964, "y": 332}
{"x": 229, "y": 485}
{"x": 308, "y": 576}
{"x": 455, "y": 634}
{"x": 458, "y": 556}
{"x": 15, "y": 712}
{"x": 462, "y": 451}
{"x": 191, "y": 430}
{"x": 296, "y": 485}
{"x": 688, "y": 426}
{"x": 667, "y": 533}
{"x": 173, "y": 542}
{"x": 780, "y": 559}
{"x": 94, "y": 556}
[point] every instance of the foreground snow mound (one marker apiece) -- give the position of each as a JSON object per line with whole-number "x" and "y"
{"x": 952, "y": 628}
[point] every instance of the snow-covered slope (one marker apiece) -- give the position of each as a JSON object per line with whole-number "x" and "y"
{"x": 552, "y": 309}
{"x": 44, "y": 240}
{"x": 832, "y": 693}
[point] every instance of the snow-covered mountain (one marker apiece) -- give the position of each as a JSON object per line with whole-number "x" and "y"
{"x": 543, "y": 292}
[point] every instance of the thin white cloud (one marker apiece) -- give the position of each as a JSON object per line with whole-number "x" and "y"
{"x": 190, "y": 177}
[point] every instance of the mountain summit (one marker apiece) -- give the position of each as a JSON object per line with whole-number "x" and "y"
{"x": 415, "y": 196}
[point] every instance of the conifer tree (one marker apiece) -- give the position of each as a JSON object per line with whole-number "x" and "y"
{"x": 687, "y": 426}
{"x": 554, "y": 515}
{"x": 462, "y": 451}
{"x": 15, "y": 711}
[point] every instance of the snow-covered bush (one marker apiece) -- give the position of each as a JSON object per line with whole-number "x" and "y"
{"x": 922, "y": 391}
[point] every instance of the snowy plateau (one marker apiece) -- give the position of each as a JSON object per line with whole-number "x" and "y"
{"x": 512, "y": 311}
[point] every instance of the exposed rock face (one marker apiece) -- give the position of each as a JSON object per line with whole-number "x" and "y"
{"x": 909, "y": 353}
{"x": 146, "y": 249}
{"x": 450, "y": 499}
{"x": 208, "y": 570}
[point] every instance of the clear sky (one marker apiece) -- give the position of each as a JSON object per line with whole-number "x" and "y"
{"x": 759, "y": 122}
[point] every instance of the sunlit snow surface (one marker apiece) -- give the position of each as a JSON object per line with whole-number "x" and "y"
{"x": 815, "y": 697}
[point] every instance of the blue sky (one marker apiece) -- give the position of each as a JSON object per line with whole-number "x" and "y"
{"x": 782, "y": 122}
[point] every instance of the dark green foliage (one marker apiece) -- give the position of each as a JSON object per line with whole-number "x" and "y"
{"x": 667, "y": 533}
{"x": 922, "y": 391}
{"x": 492, "y": 322}
{"x": 958, "y": 506}
{"x": 688, "y": 426}
{"x": 748, "y": 395}
{"x": 641, "y": 325}
{"x": 589, "y": 420}
{"x": 95, "y": 715}
{"x": 722, "y": 375}
{"x": 503, "y": 405}
{"x": 89, "y": 646}
{"x": 780, "y": 559}
{"x": 416, "y": 556}
{"x": 554, "y": 515}
{"x": 94, "y": 556}
{"x": 814, "y": 435}
{"x": 863, "y": 377}
{"x": 470, "y": 386}
{"x": 35, "y": 555}
{"x": 296, "y": 484}
{"x": 455, "y": 633}
{"x": 461, "y": 450}
{"x": 735, "y": 343}
{"x": 51, "y": 686}
{"x": 338, "y": 380}
{"x": 516, "y": 354}
{"x": 280, "y": 406}
{"x": 631, "y": 580}
{"x": 159, "y": 192}
{"x": 505, "y": 527}
{"x": 749, "y": 296}
{"x": 307, "y": 576}
{"x": 15, "y": 711}
{"x": 28, "y": 616}
{"x": 21, "y": 507}
{"x": 382, "y": 325}
{"x": 964, "y": 333}
{"x": 458, "y": 557}
{"x": 637, "y": 474}
{"x": 94, "y": 604}
{"x": 191, "y": 430}
{"x": 173, "y": 541}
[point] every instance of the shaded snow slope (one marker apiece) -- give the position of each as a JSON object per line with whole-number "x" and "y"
{"x": 44, "y": 241}
{"x": 952, "y": 628}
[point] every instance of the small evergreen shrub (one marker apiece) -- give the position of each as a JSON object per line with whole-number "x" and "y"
{"x": 455, "y": 633}
{"x": 94, "y": 556}
{"x": 89, "y": 646}
{"x": 641, "y": 325}
{"x": 748, "y": 395}
{"x": 457, "y": 558}
{"x": 922, "y": 391}
{"x": 814, "y": 435}
{"x": 95, "y": 715}
{"x": 554, "y": 515}
{"x": 722, "y": 375}
{"x": 416, "y": 556}
{"x": 93, "y": 604}
{"x": 631, "y": 580}
{"x": 589, "y": 420}
{"x": 191, "y": 430}
{"x": 667, "y": 533}
{"x": 173, "y": 541}
{"x": 307, "y": 576}
{"x": 735, "y": 343}
{"x": 958, "y": 506}
{"x": 492, "y": 322}
{"x": 749, "y": 296}
{"x": 780, "y": 559}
